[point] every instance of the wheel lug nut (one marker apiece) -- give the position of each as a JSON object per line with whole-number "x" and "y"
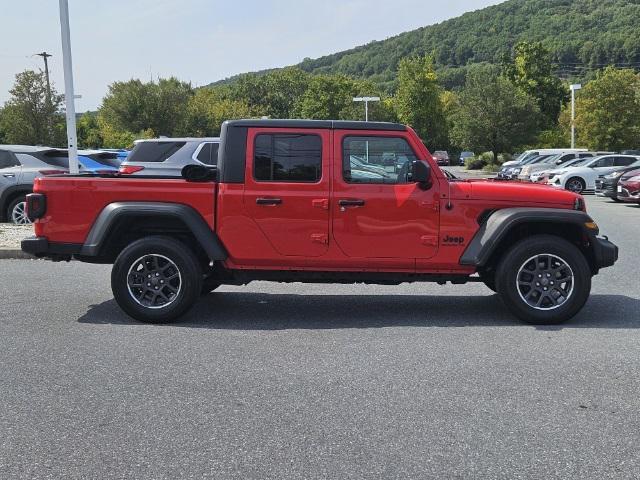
{"x": 157, "y": 287}
{"x": 148, "y": 284}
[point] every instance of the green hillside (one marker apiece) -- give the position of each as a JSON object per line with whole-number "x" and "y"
{"x": 583, "y": 35}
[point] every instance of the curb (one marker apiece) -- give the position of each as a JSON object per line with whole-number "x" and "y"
{"x": 14, "y": 254}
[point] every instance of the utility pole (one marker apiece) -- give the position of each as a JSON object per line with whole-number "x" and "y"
{"x": 574, "y": 88}
{"x": 69, "y": 96}
{"x": 45, "y": 56}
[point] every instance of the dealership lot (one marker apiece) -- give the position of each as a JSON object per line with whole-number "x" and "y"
{"x": 319, "y": 381}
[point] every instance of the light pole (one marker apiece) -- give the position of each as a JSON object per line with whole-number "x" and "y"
{"x": 69, "y": 97}
{"x": 574, "y": 88}
{"x": 366, "y": 101}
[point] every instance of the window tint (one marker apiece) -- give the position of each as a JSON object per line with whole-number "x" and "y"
{"x": 208, "y": 154}
{"x": 288, "y": 158}
{"x": 8, "y": 159}
{"x": 377, "y": 160}
{"x": 623, "y": 161}
{"x": 605, "y": 162}
{"x": 54, "y": 158}
{"x": 154, "y": 152}
{"x": 586, "y": 155}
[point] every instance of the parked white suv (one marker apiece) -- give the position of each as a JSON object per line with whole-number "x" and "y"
{"x": 166, "y": 157}
{"x": 582, "y": 179}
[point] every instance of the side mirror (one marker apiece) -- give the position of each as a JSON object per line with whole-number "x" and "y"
{"x": 421, "y": 174}
{"x": 199, "y": 173}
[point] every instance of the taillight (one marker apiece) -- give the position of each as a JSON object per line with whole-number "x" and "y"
{"x": 53, "y": 172}
{"x": 129, "y": 169}
{"x": 36, "y": 206}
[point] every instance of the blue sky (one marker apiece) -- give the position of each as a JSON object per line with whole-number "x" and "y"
{"x": 198, "y": 40}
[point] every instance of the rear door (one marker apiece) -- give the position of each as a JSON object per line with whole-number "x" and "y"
{"x": 287, "y": 182}
{"x": 9, "y": 170}
{"x": 378, "y": 212}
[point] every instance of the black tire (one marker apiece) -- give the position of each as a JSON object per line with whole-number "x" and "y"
{"x": 162, "y": 256}
{"x": 489, "y": 279}
{"x": 579, "y": 183}
{"x": 554, "y": 307}
{"x": 209, "y": 284}
{"x": 14, "y": 203}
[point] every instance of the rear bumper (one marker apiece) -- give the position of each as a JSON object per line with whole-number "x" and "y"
{"x": 41, "y": 248}
{"x": 605, "y": 253}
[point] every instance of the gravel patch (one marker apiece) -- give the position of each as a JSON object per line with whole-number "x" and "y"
{"x": 11, "y": 235}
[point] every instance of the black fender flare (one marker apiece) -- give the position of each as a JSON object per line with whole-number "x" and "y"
{"x": 9, "y": 192}
{"x": 115, "y": 212}
{"x": 501, "y": 222}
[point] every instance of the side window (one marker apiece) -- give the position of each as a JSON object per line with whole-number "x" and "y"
{"x": 155, "y": 152}
{"x": 586, "y": 155}
{"x": 8, "y": 159}
{"x": 606, "y": 162}
{"x": 623, "y": 161}
{"x": 287, "y": 158}
{"x": 208, "y": 154}
{"x": 377, "y": 160}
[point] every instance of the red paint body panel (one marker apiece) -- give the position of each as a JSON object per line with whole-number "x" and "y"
{"x": 399, "y": 228}
{"x": 73, "y": 203}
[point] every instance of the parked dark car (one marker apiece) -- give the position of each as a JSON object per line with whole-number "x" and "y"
{"x": 441, "y": 157}
{"x": 629, "y": 187}
{"x": 464, "y": 156}
{"x": 607, "y": 186}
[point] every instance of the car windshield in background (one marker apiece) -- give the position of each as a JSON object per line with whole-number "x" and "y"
{"x": 55, "y": 158}
{"x": 155, "y": 152}
{"x": 106, "y": 159}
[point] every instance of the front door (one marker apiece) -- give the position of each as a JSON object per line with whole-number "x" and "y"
{"x": 287, "y": 188}
{"x": 378, "y": 211}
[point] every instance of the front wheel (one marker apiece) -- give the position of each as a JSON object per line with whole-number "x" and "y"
{"x": 575, "y": 185}
{"x": 544, "y": 280}
{"x": 156, "y": 279}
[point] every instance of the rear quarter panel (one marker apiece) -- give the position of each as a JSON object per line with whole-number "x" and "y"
{"x": 73, "y": 203}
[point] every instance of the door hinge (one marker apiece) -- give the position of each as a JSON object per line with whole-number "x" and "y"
{"x": 429, "y": 240}
{"x": 320, "y": 238}
{"x": 322, "y": 203}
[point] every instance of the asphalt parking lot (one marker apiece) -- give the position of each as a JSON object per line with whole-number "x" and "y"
{"x": 313, "y": 381}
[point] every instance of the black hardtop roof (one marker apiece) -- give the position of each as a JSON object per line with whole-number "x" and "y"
{"x": 317, "y": 124}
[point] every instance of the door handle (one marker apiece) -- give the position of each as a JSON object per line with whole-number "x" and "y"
{"x": 9, "y": 175}
{"x": 351, "y": 203}
{"x": 269, "y": 201}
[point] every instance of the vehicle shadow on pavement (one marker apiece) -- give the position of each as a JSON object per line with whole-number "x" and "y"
{"x": 262, "y": 311}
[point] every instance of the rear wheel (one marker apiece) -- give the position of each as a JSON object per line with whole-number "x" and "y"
{"x": 544, "y": 280}
{"x": 156, "y": 279}
{"x": 17, "y": 211}
{"x": 575, "y": 185}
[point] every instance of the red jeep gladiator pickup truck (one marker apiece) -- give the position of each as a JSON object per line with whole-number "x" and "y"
{"x": 320, "y": 201}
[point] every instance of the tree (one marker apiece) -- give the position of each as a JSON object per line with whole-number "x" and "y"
{"x": 419, "y": 101}
{"x": 135, "y": 106}
{"x": 29, "y": 116}
{"x": 209, "y": 108}
{"x": 531, "y": 71}
{"x": 89, "y": 133}
{"x": 275, "y": 94}
{"x": 608, "y": 111}
{"x": 326, "y": 97}
{"x": 493, "y": 114}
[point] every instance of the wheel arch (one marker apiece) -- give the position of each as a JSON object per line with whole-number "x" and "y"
{"x": 8, "y": 195}
{"x": 505, "y": 227}
{"x": 121, "y": 223}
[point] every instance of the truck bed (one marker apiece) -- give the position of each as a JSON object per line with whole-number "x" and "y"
{"x": 73, "y": 202}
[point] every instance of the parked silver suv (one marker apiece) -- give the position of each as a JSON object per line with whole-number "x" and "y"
{"x": 166, "y": 157}
{"x": 21, "y": 164}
